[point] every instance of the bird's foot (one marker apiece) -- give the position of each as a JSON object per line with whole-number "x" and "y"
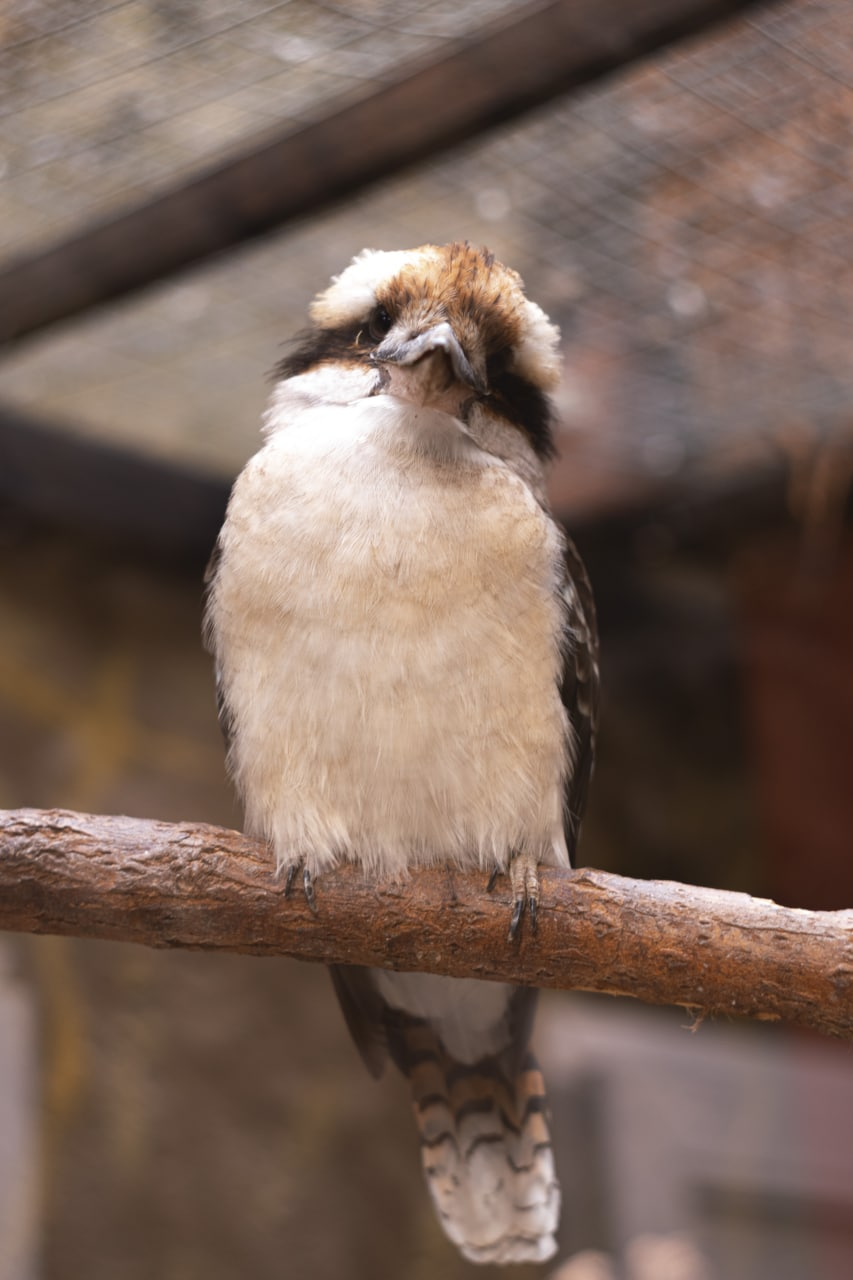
{"x": 307, "y": 884}
{"x": 524, "y": 879}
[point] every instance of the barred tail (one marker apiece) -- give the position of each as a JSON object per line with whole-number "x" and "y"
{"x": 485, "y": 1147}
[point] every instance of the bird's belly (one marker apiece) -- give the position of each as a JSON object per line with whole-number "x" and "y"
{"x": 394, "y": 677}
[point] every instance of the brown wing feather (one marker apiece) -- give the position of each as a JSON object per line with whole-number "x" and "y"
{"x": 580, "y": 687}
{"x": 364, "y": 1013}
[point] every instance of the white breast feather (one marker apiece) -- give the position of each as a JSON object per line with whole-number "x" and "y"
{"x": 387, "y": 622}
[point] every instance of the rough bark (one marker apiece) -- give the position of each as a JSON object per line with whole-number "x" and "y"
{"x": 190, "y": 885}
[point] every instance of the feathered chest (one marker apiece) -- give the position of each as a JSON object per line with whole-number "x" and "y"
{"x": 387, "y": 622}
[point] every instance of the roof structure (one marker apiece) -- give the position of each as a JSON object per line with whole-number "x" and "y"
{"x": 682, "y": 209}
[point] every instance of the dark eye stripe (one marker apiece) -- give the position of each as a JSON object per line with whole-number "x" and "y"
{"x": 318, "y": 346}
{"x": 527, "y": 406}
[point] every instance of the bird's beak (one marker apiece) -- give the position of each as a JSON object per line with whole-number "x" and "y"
{"x": 440, "y": 337}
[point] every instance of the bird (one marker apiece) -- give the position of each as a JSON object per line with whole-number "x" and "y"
{"x": 406, "y": 663}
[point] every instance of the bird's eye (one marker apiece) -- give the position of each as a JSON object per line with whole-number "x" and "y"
{"x": 379, "y": 323}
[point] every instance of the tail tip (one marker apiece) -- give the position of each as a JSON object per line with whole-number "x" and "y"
{"x": 511, "y": 1249}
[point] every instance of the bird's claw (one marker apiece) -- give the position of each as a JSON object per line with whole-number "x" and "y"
{"x": 525, "y": 892}
{"x": 515, "y": 919}
{"x": 307, "y": 885}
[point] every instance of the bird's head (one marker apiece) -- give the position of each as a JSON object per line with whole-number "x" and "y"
{"x": 448, "y": 327}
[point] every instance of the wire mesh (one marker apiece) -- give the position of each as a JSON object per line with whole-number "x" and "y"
{"x": 687, "y": 222}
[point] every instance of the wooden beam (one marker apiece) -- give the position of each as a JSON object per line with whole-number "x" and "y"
{"x": 529, "y": 57}
{"x": 189, "y": 885}
{"x": 52, "y": 477}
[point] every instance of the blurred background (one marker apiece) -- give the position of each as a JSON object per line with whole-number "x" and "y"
{"x": 673, "y": 181}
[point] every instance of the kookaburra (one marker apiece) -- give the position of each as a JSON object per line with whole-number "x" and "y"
{"x": 406, "y": 662}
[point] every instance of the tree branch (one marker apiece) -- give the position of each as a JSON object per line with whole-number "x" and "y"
{"x": 190, "y": 885}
